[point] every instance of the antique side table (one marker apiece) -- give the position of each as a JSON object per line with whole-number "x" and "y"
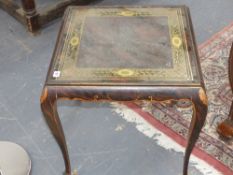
{"x": 125, "y": 54}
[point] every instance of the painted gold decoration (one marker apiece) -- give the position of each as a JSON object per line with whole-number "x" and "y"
{"x": 74, "y": 41}
{"x": 176, "y": 41}
{"x": 125, "y": 72}
{"x": 127, "y": 13}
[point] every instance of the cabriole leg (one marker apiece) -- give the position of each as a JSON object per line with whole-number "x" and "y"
{"x": 197, "y": 122}
{"x": 49, "y": 109}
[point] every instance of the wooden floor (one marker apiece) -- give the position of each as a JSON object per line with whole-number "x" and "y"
{"x": 96, "y": 148}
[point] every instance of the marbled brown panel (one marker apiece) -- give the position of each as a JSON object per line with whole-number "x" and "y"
{"x": 127, "y": 42}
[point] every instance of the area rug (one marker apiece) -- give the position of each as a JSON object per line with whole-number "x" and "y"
{"x": 168, "y": 124}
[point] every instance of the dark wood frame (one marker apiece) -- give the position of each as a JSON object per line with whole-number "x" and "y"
{"x": 29, "y": 16}
{"x": 225, "y": 128}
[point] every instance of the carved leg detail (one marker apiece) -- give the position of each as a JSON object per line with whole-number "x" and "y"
{"x": 197, "y": 122}
{"x": 32, "y": 17}
{"x": 49, "y": 109}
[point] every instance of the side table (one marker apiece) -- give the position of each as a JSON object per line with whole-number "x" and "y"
{"x": 125, "y": 54}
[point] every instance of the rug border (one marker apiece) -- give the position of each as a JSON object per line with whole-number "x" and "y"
{"x": 214, "y": 36}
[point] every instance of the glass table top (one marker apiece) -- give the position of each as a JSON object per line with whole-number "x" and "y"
{"x": 125, "y": 45}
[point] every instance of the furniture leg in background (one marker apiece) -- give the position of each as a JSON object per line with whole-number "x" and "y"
{"x": 225, "y": 128}
{"x": 34, "y": 18}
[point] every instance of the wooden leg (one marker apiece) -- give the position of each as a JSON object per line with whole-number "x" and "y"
{"x": 49, "y": 109}
{"x": 225, "y": 128}
{"x": 32, "y": 17}
{"x": 197, "y": 122}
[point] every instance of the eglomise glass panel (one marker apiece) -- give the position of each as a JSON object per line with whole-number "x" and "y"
{"x": 125, "y": 45}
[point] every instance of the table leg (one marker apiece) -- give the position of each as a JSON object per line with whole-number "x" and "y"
{"x": 49, "y": 109}
{"x": 31, "y": 14}
{"x": 225, "y": 128}
{"x": 197, "y": 122}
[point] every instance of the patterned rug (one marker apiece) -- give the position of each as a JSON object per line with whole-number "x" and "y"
{"x": 174, "y": 120}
